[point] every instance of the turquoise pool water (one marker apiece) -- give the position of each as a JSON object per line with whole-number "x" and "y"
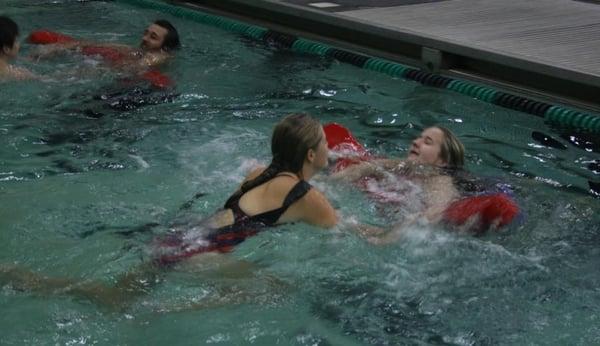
{"x": 77, "y": 175}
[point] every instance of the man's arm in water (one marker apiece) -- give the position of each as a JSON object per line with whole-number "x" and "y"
{"x": 18, "y": 73}
{"x": 46, "y": 51}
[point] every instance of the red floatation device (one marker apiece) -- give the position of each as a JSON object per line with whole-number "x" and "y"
{"x": 51, "y": 37}
{"x": 478, "y": 213}
{"x": 482, "y": 212}
{"x": 110, "y": 54}
{"x": 48, "y": 37}
{"x": 157, "y": 79}
{"x": 341, "y": 140}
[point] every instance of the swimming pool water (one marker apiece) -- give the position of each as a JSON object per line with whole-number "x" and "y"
{"x": 76, "y": 176}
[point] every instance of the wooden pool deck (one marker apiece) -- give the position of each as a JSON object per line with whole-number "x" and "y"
{"x": 545, "y": 47}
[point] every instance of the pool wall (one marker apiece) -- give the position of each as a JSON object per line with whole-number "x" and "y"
{"x": 552, "y": 113}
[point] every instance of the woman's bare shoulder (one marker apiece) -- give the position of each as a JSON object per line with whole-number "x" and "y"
{"x": 255, "y": 172}
{"x": 317, "y": 210}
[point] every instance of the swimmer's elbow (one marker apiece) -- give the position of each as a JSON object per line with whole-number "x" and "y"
{"x": 326, "y": 222}
{"x": 326, "y": 216}
{"x": 329, "y": 220}
{"x": 316, "y": 210}
{"x": 323, "y": 216}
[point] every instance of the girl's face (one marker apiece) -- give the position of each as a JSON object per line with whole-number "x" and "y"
{"x": 427, "y": 147}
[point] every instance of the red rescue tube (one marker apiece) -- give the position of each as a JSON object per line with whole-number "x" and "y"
{"x": 157, "y": 79}
{"x": 51, "y": 37}
{"x": 340, "y": 139}
{"x": 48, "y": 37}
{"x": 483, "y": 211}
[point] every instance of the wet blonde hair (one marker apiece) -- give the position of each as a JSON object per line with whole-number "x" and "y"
{"x": 452, "y": 150}
{"x": 292, "y": 138}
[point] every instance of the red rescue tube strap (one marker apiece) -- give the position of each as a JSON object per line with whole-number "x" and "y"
{"x": 48, "y": 37}
{"x": 490, "y": 210}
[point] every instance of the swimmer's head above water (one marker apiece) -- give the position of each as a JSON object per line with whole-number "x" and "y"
{"x": 9, "y": 45}
{"x": 299, "y": 139}
{"x": 160, "y": 35}
{"x": 437, "y": 146}
{"x": 298, "y": 146}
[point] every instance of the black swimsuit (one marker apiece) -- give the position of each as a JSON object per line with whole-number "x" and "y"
{"x": 180, "y": 246}
{"x": 268, "y": 218}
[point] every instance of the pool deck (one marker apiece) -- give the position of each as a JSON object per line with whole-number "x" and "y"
{"x": 546, "y": 48}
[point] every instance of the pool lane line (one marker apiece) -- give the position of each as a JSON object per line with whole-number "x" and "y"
{"x": 556, "y": 114}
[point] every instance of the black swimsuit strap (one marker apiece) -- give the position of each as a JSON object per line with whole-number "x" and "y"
{"x": 297, "y": 192}
{"x": 270, "y": 217}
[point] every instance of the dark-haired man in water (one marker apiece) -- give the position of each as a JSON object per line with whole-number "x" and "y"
{"x": 158, "y": 41}
{"x": 9, "y": 50}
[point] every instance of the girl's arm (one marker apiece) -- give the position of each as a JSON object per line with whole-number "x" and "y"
{"x": 315, "y": 209}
